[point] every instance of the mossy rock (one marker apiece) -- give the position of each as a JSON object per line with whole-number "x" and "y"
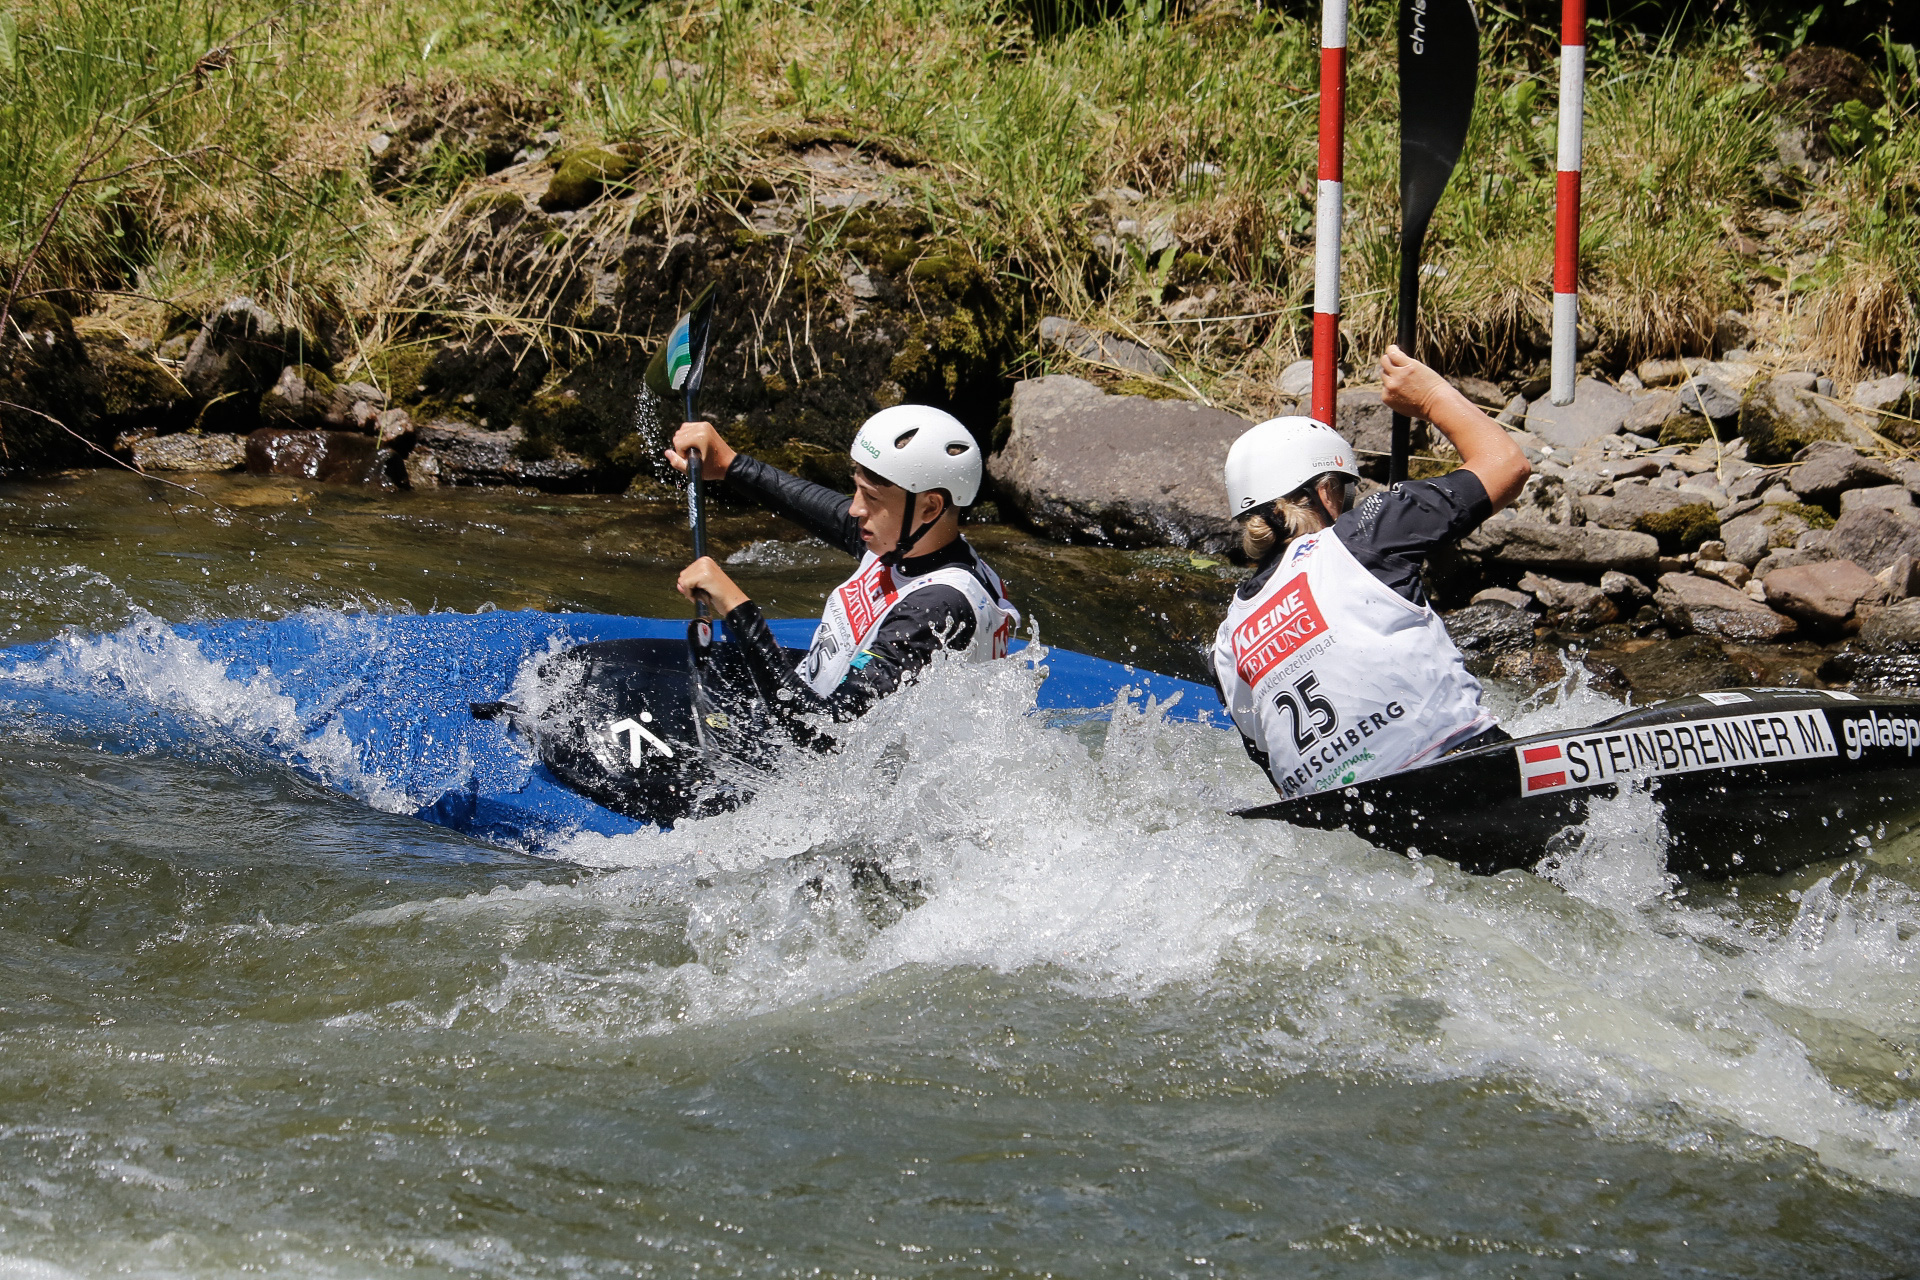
{"x": 583, "y": 174}
{"x": 1779, "y": 422}
{"x": 1681, "y": 528}
{"x": 559, "y": 420}
{"x": 1815, "y": 517}
{"x": 1688, "y": 428}
{"x": 136, "y": 391}
{"x": 1192, "y": 268}
{"x": 398, "y": 370}
{"x": 488, "y": 203}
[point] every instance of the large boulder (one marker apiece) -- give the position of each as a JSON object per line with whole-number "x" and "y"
{"x": 1783, "y": 415}
{"x": 1823, "y": 595}
{"x": 1584, "y": 550}
{"x": 1691, "y": 604}
{"x": 1087, "y": 466}
{"x": 1632, "y": 503}
{"x": 191, "y": 451}
{"x": 1874, "y": 537}
{"x": 1829, "y": 468}
{"x": 1598, "y": 409}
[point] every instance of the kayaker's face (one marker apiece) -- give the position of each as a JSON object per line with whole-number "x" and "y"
{"x": 878, "y": 511}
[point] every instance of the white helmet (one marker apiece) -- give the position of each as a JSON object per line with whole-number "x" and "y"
{"x": 1279, "y": 457}
{"x": 920, "y": 448}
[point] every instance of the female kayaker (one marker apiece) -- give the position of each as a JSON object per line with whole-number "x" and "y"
{"x": 1331, "y": 661}
{"x": 920, "y": 587}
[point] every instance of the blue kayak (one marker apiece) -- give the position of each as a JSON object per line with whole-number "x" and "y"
{"x": 414, "y": 713}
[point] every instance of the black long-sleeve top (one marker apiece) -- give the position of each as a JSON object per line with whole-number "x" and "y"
{"x": 930, "y": 619}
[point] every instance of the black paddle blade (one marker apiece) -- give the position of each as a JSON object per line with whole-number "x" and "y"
{"x": 680, "y": 365}
{"x": 1439, "y": 73}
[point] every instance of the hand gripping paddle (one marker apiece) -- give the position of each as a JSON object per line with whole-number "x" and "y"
{"x": 680, "y": 366}
{"x": 1439, "y": 72}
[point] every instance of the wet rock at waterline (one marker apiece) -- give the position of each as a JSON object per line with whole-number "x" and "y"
{"x": 1885, "y": 653}
{"x": 455, "y": 453}
{"x": 1598, "y": 409}
{"x": 1579, "y": 605}
{"x": 1689, "y": 603}
{"x": 1490, "y": 626}
{"x": 1087, "y": 466}
{"x": 191, "y": 451}
{"x": 339, "y": 457}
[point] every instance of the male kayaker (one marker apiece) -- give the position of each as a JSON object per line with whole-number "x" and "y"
{"x": 1331, "y": 661}
{"x": 919, "y": 588}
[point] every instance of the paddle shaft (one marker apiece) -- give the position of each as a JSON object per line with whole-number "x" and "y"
{"x": 1402, "y": 445}
{"x": 697, "y": 523}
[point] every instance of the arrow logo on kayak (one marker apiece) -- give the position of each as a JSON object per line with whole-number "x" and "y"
{"x": 633, "y": 727}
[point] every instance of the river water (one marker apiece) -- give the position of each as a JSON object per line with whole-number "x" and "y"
{"x": 1090, "y": 1026}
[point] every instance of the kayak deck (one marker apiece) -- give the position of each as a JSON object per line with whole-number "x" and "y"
{"x": 1747, "y": 780}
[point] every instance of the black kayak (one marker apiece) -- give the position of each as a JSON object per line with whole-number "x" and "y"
{"x": 1748, "y": 781}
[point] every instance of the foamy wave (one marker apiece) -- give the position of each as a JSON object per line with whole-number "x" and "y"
{"x": 148, "y": 664}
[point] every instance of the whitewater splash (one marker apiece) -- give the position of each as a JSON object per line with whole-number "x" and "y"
{"x": 959, "y": 833}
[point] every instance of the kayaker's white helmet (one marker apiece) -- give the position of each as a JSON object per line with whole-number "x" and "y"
{"x": 920, "y": 448}
{"x": 1279, "y": 457}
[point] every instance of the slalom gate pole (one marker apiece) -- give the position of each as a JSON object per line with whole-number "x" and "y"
{"x": 1566, "y": 230}
{"x": 1328, "y": 211}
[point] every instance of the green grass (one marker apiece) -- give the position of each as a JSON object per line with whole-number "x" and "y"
{"x": 252, "y": 177}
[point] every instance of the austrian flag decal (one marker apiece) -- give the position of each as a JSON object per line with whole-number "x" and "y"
{"x": 1542, "y": 768}
{"x": 1265, "y": 639}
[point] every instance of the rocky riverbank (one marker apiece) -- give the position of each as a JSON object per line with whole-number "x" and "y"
{"x": 1755, "y": 496}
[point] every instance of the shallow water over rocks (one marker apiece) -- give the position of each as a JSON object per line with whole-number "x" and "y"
{"x": 1085, "y": 1024}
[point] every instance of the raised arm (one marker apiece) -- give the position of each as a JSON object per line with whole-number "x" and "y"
{"x": 1485, "y": 447}
{"x": 815, "y": 506}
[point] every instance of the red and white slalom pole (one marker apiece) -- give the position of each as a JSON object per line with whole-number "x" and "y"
{"x": 1566, "y": 231}
{"x": 1326, "y": 230}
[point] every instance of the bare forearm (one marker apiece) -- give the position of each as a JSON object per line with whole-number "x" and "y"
{"x": 1484, "y": 446}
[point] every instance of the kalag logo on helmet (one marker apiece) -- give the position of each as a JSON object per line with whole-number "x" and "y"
{"x": 869, "y": 446}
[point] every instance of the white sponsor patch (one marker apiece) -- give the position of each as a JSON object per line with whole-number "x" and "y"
{"x": 1602, "y": 755}
{"x": 1725, "y": 699}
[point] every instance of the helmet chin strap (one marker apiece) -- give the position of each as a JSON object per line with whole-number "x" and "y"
{"x": 908, "y": 534}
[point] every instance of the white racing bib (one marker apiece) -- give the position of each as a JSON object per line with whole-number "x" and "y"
{"x": 858, "y": 606}
{"x": 1339, "y": 679}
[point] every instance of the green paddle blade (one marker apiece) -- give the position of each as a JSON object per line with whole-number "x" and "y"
{"x": 680, "y": 365}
